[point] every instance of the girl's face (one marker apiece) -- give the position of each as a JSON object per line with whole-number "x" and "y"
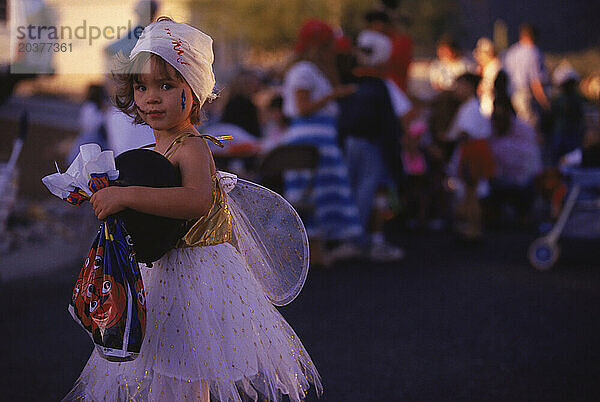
{"x": 164, "y": 100}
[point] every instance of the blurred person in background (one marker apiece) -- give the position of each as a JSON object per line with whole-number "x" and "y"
{"x": 275, "y": 124}
{"x": 240, "y": 109}
{"x": 518, "y": 161}
{"x": 566, "y": 123}
{"x": 402, "y": 44}
{"x": 488, "y": 66}
{"x": 234, "y": 113}
{"x": 370, "y": 123}
{"x": 524, "y": 64}
{"x": 590, "y": 152}
{"x": 310, "y": 90}
{"x": 591, "y": 140}
{"x": 449, "y": 65}
{"x": 92, "y": 128}
{"x": 402, "y": 52}
{"x": 345, "y": 60}
{"x": 472, "y": 162}
{"x": 468, "y": 122}
{"x": 443, "y": 72}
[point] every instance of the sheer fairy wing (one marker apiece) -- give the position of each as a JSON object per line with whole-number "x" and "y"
{"x": 271, "y": 236}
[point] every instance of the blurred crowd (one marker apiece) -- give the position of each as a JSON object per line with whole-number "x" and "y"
{"x": 484, "y": 152}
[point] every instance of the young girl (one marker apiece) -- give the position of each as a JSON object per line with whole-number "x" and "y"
{"x": 211, "y": 327}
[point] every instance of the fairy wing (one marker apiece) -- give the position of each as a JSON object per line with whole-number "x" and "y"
{"x": 271, "y": 236}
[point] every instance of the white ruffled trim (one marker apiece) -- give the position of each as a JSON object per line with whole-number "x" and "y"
{"x": 227, "y": 180}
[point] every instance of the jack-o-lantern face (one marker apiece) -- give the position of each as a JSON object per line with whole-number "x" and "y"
{"x": 80, "y": 290}
{"x": 98, "y": 298}
{"x": 92, "y": 282}
{"x": 108, "y": 302}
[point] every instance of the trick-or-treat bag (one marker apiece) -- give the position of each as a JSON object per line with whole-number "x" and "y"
{"x": 108, "y": 298}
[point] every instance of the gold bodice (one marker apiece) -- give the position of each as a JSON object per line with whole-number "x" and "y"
{"x": 215, "y": 226}
{"x": 212, "y": 228}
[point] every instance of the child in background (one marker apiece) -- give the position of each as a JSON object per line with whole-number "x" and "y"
{"x": 414, "y": 165}
{"x": 473, "y": 162}
{"x": 212, "y": 332}
{"x": 91, "y": 121}
{"x": 276, "y": 124}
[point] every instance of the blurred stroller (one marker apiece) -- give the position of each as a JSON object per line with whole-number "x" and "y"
{"x": 578, "y": 218}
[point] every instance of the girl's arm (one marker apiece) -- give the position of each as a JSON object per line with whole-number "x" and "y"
{"x": 191, "y": 200}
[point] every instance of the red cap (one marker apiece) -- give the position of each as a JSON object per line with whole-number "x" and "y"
{"x": 314, "y": 33}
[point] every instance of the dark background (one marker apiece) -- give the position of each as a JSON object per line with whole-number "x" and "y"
{"x": 565, "y": 26}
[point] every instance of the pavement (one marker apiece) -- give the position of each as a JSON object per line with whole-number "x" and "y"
{"x": 38, "y": 260}
{"x": 49, "y": 111}
{"x": 451, "y": 322}
{"x": 67, "y": 234}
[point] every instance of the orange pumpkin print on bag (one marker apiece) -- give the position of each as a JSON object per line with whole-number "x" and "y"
{"x": 108, "y": 303}
{"x": 80, "y": 289}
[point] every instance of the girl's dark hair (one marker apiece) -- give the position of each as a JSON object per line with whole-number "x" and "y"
{"x": 127, "y": 73}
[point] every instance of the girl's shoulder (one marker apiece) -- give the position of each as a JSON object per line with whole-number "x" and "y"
{"x": 193, "y": 146}
{"x": 194, "y": 159}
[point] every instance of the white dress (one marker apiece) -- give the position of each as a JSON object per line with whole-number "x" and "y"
{"x": 210, "y": 319}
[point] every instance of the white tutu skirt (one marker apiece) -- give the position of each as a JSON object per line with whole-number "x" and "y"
{"x": 209, "y": 322}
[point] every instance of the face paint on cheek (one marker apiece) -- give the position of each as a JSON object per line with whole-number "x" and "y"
{"x": 182, "y": 100}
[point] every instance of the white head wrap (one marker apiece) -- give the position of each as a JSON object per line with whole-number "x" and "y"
{"x": 376, "y": 47}
{"x": 185, "y": 48}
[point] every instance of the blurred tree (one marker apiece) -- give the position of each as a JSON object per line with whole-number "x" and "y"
{"x": 430, "y": 19}
{"x": 273, "y": 24}
{"x": 259, "y": 23}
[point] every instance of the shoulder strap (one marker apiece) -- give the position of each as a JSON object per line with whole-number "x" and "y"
{"x": 215, "y": 140}
{"x": 178, "y": 140}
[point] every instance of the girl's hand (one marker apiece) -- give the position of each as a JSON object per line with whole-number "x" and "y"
{"x": 109, "y": 201}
